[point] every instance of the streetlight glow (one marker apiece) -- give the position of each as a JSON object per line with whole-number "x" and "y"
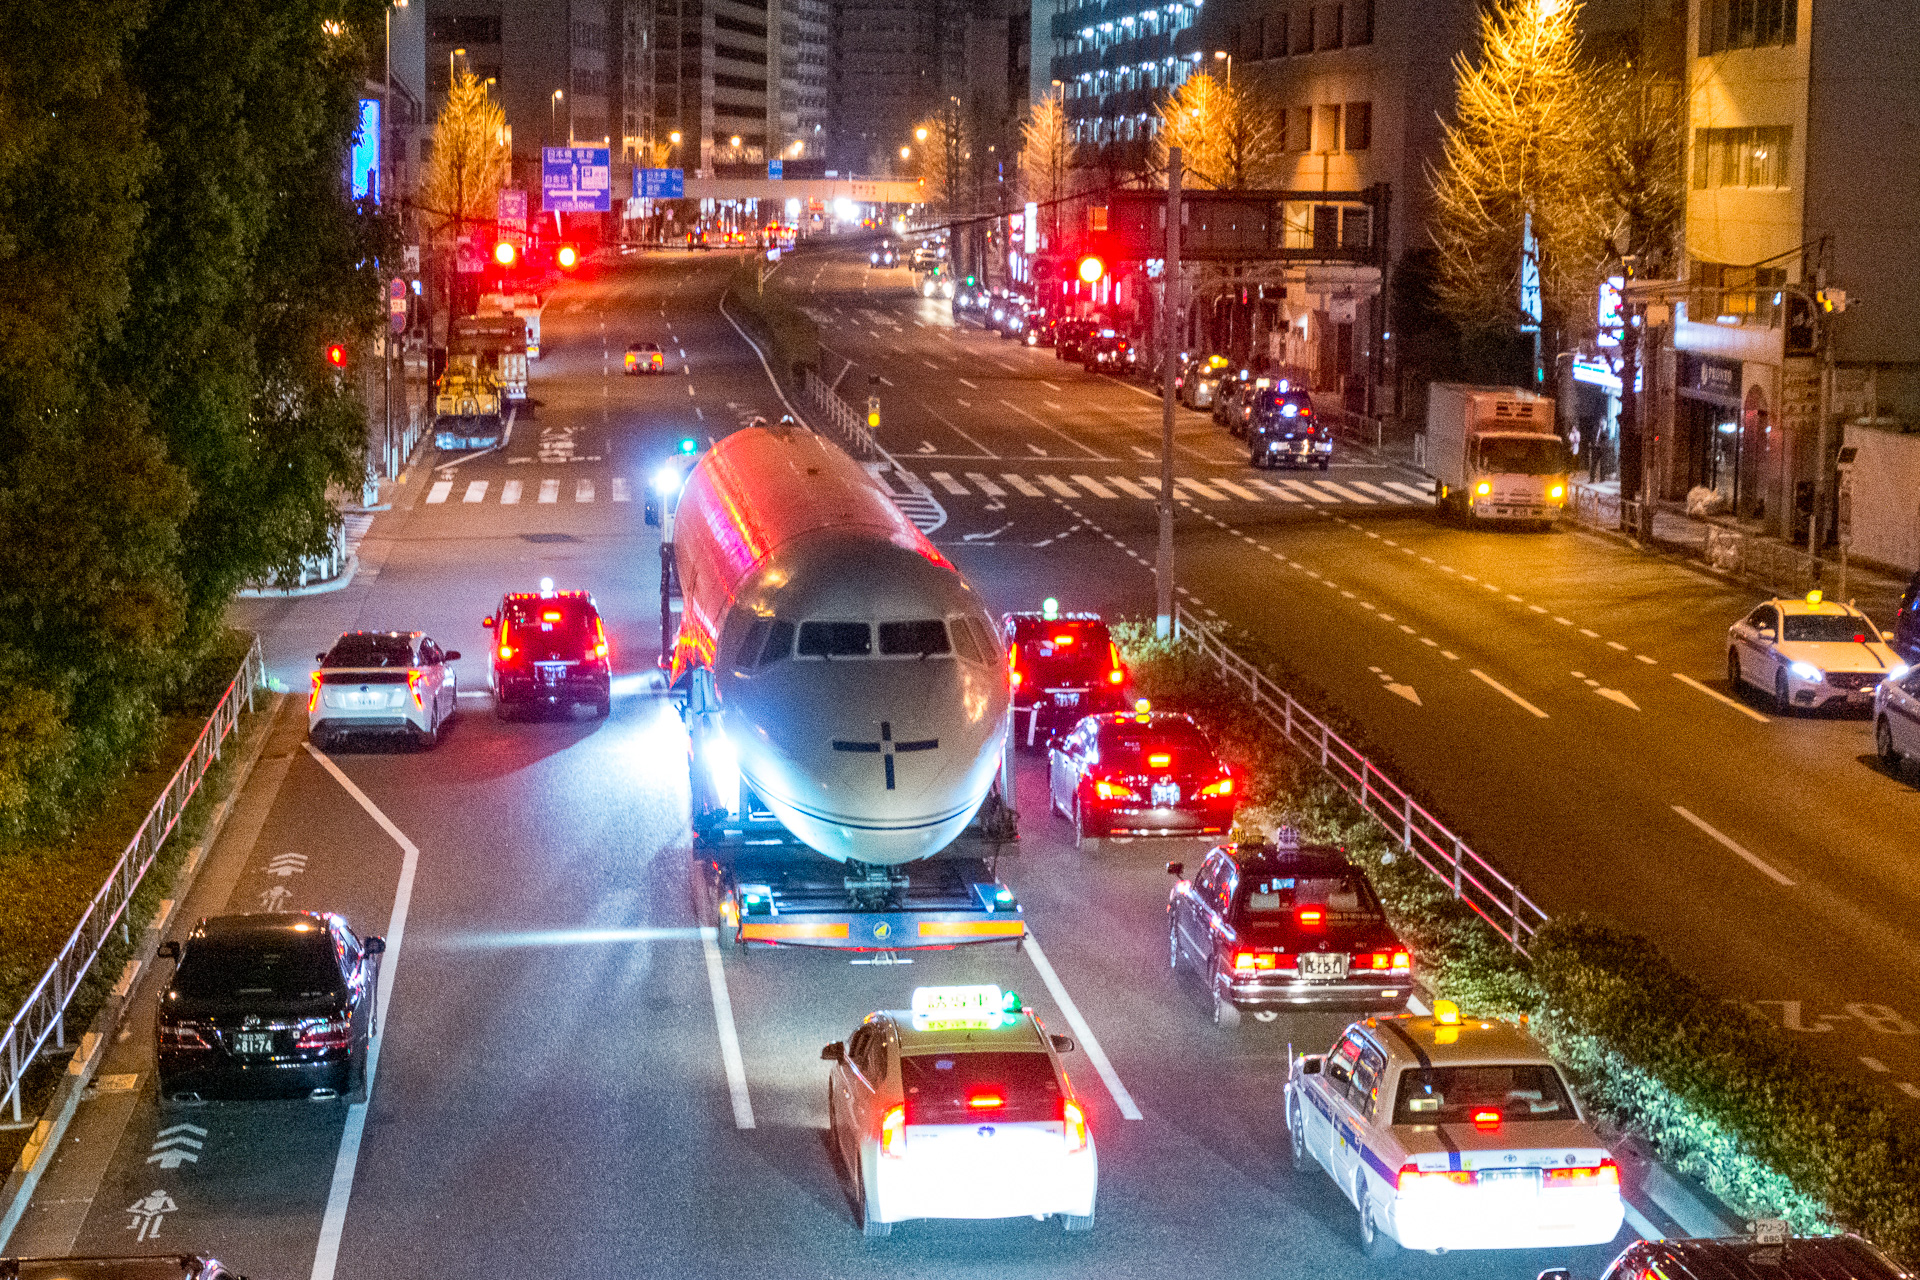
{"x": 905, "y": 152}
{"x": 920, "y": 134}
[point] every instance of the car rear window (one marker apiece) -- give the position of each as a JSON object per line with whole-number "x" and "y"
{"x": 967, "y": 1088}
{"x": 1818, "y": 627}
{"x": 1064, "y": 651}
{"x": 1457, "y": 1095}
{"x": 548, "y": 629}
{"x": 1345, "y": 899}
{"x": 370, "y": 651}
{"x": 277, "y": 964}
{"x": 1160, "y": 746}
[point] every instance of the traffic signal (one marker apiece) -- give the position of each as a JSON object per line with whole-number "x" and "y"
{"x": 567, "y": 257}
{"x": 506, "y": 253}
{"x": 1091, "y": 268}
{"x": 689, "y": 445}
{"x": 337, "y": 354}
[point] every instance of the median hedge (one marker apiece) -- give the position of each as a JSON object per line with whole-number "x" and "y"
{"x": 1710, "y": 1086}
{"x": 791, "y": 339}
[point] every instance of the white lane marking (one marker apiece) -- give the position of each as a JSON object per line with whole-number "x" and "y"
{"x": 1873, "y": 1064}
{"x": 1059, "y": 486}
{"x": 1189, "y": 483}
{"x": 729, "y": 1037}
{"x": 1048, "y": 385}
{"x": 622, "y": 491}
{"x": 946, "y": 481}
{"x": 1717, "y": 696}
{"x": 1093, "y": 486}
{"x": 440, "y": 490}
{"x": 1641, "y": 657}
{"x": 1284, "y": 495}
{"x": 1495, "y": 684}
{"x": 963, "y": 382}
{"x": 1378, "y": 492}
{"x": 549, "y": 491}
{"x": 510, "y": 492}
{"x": 1615, "y": 644}
{"x": 1148, "y": 454}
{"x": 1129, "y": 488}
{"x": 1300, "y": 486}
{"x": 689, "y": 388}
{"x": 476, "y": 491}
{"x": 1424, "y": 495}
{"x": 1238, "y": 491}
{"x": 986, "y": 486}
{"x": 1348, "y": 494}
{"x": 583, "y": 492}
{"x": 1734, "y": 845}
{"x": 1021, "y": 486}
{"x": 326, "y": 1253}
{"x": 1089, "y": 1045}
{"x": 1591, "y": 635}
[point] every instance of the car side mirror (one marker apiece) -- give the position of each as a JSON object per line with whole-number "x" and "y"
{"x": 1767, "y": 634}
{"x": 835, "y": 1052}
{"x": 169, "y": 950}
{"x": 487, "y": 622}
{"x": 373, "y": 946}
{"x": 1888, "y": 636}
{"x": 1176, "y": 868}
{"x": 319, "y": 657}
{"x": 1061, "y": 1044}
{"x": 451, "y": 655}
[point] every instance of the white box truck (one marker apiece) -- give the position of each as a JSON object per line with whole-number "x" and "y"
{"x": 1493, "y": 454}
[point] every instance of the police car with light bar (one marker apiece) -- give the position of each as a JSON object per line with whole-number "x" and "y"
{"x": 1450, "y": 1133}
{"x": 959, "y": 1107}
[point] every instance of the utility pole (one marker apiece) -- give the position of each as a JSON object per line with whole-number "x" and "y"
{"x": 1163, "y": 573}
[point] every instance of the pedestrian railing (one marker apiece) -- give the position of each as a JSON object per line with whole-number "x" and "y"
{"x": 845, "y": 421}
{"x": 1597, "y": 507}
{"x": 1471, "y": 878}
{"x": 1355, "y": 428}
{"x": 43, "y": 1016}
{"x": 1765, "y": 562}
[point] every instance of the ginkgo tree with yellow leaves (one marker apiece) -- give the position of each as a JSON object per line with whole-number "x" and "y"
{"x": 1230, "y": 138}
{"x": 471, "y": 160}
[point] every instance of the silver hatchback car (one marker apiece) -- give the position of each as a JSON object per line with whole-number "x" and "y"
{"x": 382, "y": 682}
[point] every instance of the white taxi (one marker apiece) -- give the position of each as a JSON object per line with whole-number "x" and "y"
{"x": 1452, "y": 1134}
{"x": 959, "y": 1108}
{"x": 1810, "y": 652}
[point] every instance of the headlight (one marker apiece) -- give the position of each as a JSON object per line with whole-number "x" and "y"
{"x": 1483, "y": 488}
{"x": 1898, "y": 671}
{"x": 666, "y": 482}
{"x": 1806, "y": 671}
{"x": 1558, "y": 491}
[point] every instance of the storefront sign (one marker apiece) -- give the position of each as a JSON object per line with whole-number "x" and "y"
{"x": 1715, "y": 381}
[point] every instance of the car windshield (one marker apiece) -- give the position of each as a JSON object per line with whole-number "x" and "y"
{"x": 1525, "y": 456}
{"x": 1458, "y": 1095}
{"x": 281, "y": 964}
{"x": 1167, "y": 745}
{"x": 1063, "y": 651}
{"x": 967, "y": 1088}
{"x": 370, "y": 651}
{"x": 1840, "y": 628}
{"x": 1342, "y": 899}
{"x": 542, "y": 630}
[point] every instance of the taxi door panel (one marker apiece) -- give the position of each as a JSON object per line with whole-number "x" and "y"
{"x": 1189, "y": 915}
{"x": 1903, "y": 715}
{"x": 1353, "y": 1116}
{"x": 1328, "y": 1108}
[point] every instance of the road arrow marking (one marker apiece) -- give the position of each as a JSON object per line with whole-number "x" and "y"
{"x": 1405, "y": 691}
{"x": 287, "y": 864}
{"x": 171, "y": 1147}
{"x": 1614, "y": 695}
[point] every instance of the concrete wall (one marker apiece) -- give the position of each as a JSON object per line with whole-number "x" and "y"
{"x": 1886, "y": 497}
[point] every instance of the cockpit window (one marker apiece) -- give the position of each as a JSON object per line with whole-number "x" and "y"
{"x": 836, "y": 640}
{"x": 914, "y": 639}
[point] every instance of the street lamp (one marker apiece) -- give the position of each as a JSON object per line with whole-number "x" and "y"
{"x": 451, "y": 55}
{"x": 1220, "y": 54}
{"x": 920, "y": 134}
{"x": 674, "y": 137}
{"x": 905, "y": 152}
{"x": 734, "y": 142}
{"x": 553, "y": 113}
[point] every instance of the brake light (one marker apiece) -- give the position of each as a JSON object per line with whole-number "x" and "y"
{"x": 1604, "y": 1174}
{"x": 1413, "y": 1177}
{"x": 1074, "y": 1126}
{"x": 506, "y": 651}
{"x": 1116, "y": 676}
{"x": 326, "y": 1033}
{"x": 1248, "y": 961}
{"x": 986, "y": 1101}
{"x": 893, "y": 1134}
{"x": 1402, "y": 962}
{"x": 1112, "y": 790}
{"x": 1312, "y": 917}
{"x": 182, "y": 1035}
{"x": 1063, "y": 640}
{"x": 1224, "y": 787}
{"x": 1159, "y": 760}
{"x": 313, "y": 699}
{"x": 551, "y": 615}
{"x": 1487, "y": 1120}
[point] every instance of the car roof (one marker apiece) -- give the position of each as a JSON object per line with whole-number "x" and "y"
{"x": 1020, "y": 1035}
{"x": 1151, "y": 720}
{"x": 1800, "y": 606}
{"x": 256, "y": 924}
{"x": 1306, "y": 859}
{"x": 1845, "y": 1257}
{"x": 382, "y": 635}
{"x": 573, "y": 597}
{"x": 1468, "y": 1042}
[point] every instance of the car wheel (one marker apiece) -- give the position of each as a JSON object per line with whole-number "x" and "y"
{"x": 1374, "y": 1242}
{"x": 1297, "y": 1133}
{"x": 1883, "y": 743}
{"x": 1075, "y": 1223}
{"x": 1225, "y": 1013}
{"x": 1734, "y": 680}
{"x": 868, "y": 1227}
{"x": 1173, "y": 946}
{"x": 604, "y": 707}
{"x": 356, "y": 1090}
{"x": 1323, "y": 464}
{"x": 503, "y": 707}
{"x": 1782, "y": 704}
{"x": 1081, "y": 840}
{"x": 426, "y": 739}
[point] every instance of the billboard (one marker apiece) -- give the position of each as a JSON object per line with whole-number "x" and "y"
{"x": 510, "y": 218}
{"x": 363, "y": 161}
{"x": 576, "y": 179}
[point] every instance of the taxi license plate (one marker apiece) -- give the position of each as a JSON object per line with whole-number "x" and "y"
{"x": 1510, "y": 1181}
{"x": 253, "y": 1042}
{"x": 1165, "y": 793}
{"x": 1322, "y": 964}
{"x": 1067, "y": 699}
{"x": 551, "y": 672}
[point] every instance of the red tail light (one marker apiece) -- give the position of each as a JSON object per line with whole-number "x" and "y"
{"x": 506, "y": 651}
{"x": 182, "y": 1035}
{"x": 1224, "y": 787}
{"x": 1108, "y": 790}
{"x": 326, "y": 1033}
{"x": 413, "y": 683}
{"x": 313, "y": 699}
{"x": 1412, "y": 1176}
{"x": 1311, "y": 917}
{"x": 1074, "y": 1125}
{"x": 1487, "y": 1120}
{"x": 986, "y": 1101}
{"x": 1249, "y": 961}
{"x": 1396, "y": 961}
{"x": 1159, "y": 761}
{"x": 1063, "y": 640}
{"x": 1116, "y": 676}
{"x": 1604, "y": 1174}
{"x": 893, "y": 1134}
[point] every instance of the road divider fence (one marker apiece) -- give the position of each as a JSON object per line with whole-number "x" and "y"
{"x": 42, "y": 1016}
{"x": 1471, "y": 879}
{"x": 845, "y": 421}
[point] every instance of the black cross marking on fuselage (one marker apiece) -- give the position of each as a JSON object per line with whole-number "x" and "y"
{"x": 886, "y": 747}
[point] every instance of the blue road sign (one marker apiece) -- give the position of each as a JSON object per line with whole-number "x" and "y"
{"x": 774, "y": 167}
{"x": 576, "y": 180}
{"x": 660, "y": 184}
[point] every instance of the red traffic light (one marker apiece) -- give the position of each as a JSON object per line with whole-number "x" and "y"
{"x": 1091, "y": 268}
{"x": 506, "y": 253}
{"x": 337, "y": 355}
{"x": 567, "y": 256}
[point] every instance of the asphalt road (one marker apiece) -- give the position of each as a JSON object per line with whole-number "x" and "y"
{"x": 553, "y": 1093}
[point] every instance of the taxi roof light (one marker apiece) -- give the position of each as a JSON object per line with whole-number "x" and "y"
{"x": 1049, "y": 608}
{"x": 1813, "y": 596}
{"x": 1446, "y": 1013}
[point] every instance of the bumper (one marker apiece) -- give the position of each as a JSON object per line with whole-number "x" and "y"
{"x": 1560, "y": 1219}
{"x": 217, "y": 1075}
{"x": 1805, "y": 694}
{"x": 331, "y": 720}
{"x": 524, "y": 690}
{"x": 1053, "y": 714}
{"x": 1066, "y": 1184}
{"x": 1485, "y": 509}
{"x": 1289, "y": 453}
{"x": 1199, "y": 821}
{"x": 1383, "y": 995}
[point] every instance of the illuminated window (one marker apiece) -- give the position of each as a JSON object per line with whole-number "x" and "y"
{"x": 1754, "y": 157}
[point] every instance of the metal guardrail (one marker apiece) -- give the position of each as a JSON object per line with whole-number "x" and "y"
{"x": 1766, "y": 562}
{"x": 1357, "y": 428}
{"x": 1472, "y": 879}
{"x": 845, "y": 420}
{"x": 43, "y": 1016}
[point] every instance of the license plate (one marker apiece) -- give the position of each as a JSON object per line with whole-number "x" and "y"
{"x": 551, "y": 672}
{"x": 1322, "y": 964}
{"x": 253, "y": 1042}
{"x": 1166, "y": 793}
{"x": 1071, "y": 699}
{"x": 1512, "y": 1181}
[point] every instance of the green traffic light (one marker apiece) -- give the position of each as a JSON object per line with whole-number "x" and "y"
{"x": 687, "y": 444}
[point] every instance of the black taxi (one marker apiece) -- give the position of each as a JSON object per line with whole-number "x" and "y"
{"x": 1063, "y": 666}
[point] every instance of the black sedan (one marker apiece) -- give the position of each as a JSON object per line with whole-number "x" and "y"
{"x": 1144, "y": 773}
{"x": 267, "y": 1005}
{"x": 1277, "y": 926}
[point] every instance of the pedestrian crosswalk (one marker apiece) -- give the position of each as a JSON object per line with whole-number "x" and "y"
{"x": 1279, "y": 490}
{"x": 512, "y": 492}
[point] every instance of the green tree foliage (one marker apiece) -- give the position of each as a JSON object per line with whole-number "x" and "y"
{"x": 176, "y": 248}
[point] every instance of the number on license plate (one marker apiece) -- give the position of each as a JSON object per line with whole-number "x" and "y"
{"x": 1066, "y": 699}
{"x": 1520, "y": 1180}
{"x": 1317, "y": 964}
{"x": 254, "y": 1042}
{"x": 1166, "y": 793}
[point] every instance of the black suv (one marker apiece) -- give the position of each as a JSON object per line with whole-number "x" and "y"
{"x": 1276, "y": 926}
{"x": 549, "y": 650}
{"x": 1284, "y": 431}
{"x": 1809, "y": 1258}
{"x": 1064, "y": 666}
{"x": 160, "y": 1266}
